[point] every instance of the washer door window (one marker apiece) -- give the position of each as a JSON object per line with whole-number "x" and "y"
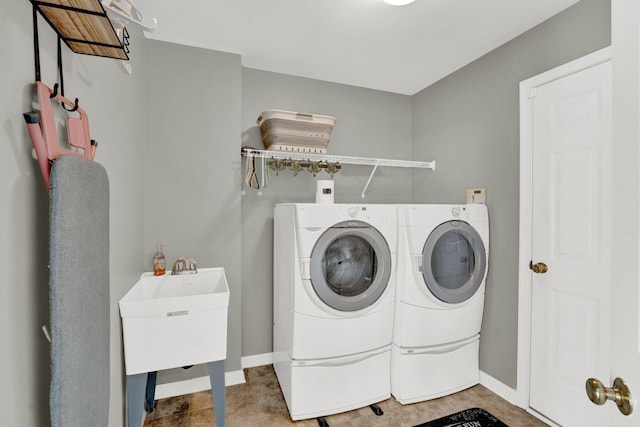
{"x": 350, "y": 266}
{"x": 453, "y": 262}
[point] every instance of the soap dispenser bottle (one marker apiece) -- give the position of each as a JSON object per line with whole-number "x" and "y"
{"x": 159, "y": 263}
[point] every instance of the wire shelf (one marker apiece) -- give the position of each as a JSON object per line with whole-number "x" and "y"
{"x": 345, "y": 160}
{"x": 340, "y": 160}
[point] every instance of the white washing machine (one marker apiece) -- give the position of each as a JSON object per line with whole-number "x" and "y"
{"x": 334, "y": 299}
{"x": 443, "y": 253}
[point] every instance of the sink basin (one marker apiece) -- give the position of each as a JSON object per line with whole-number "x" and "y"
{"x": 172, "y": 321}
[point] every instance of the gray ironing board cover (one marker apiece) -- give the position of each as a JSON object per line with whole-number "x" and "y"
{"x": 79, "y": 293}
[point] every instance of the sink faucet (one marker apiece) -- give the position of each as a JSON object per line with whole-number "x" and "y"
{"x": 184, "y": 266}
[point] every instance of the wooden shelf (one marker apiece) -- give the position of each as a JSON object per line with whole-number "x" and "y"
{"x": 84, "y": 27}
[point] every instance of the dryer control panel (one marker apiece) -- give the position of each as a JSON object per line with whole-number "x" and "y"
{"x": 354, "y": 211}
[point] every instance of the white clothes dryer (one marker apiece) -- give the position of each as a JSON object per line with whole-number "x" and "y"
{"x": 334, "y": 298}
{"x": 443, "y": 258}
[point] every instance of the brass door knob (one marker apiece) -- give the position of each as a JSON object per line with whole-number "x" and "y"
{"x": 619, "y": 393}
{"x": 539, "y": 267}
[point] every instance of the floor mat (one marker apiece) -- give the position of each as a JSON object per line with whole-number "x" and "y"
{"x": 474, "y": 417}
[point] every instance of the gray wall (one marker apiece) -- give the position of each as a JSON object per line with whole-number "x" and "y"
{"x": 114, "y": 102}
{"x": 369, "y": 124}
{"x": 171, "y": 131}
{"x": 191, "y": 169}
{"x": 468, "y": 122}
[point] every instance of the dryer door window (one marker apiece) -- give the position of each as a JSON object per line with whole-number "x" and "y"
{"x": 454, "y": 262}
{"x": 350, "y": 266}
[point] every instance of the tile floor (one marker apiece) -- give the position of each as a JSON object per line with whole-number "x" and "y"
{"x": 259, "y": 402}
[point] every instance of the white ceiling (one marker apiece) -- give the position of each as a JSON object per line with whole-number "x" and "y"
{"x": 366, "y": 43}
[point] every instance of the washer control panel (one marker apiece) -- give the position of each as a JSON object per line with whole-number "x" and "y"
{"x": 459, "y": 211}
{"x": 354, "y": 211}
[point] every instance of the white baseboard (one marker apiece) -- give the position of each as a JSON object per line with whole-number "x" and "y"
{"x": 510, "y": 395}
{"x": 256, "y": 360}
{"x": 234, "y": 378}
{"x": 501, "y": 389}
{"x": 178, "y": 388}
{"x": 195, "y": 385}
{"x": 203, "y": 383}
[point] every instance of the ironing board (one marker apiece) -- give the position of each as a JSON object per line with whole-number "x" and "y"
{"x": 79, "y": 293}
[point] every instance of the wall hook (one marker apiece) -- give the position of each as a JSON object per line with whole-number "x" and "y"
{"x": 55, "y": 94}
{"x": 74, "y": 108}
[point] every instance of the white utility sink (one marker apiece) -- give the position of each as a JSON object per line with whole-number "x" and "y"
{"x": 172, "y": 321}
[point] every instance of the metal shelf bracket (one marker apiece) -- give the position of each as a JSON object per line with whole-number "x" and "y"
{"x": 364, "y": 190}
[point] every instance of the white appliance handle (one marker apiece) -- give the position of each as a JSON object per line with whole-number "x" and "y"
{"x": 417, "y": 263}
{"x": 343, "y": 361}
{"x": 305, "y": 266}
{"x": 447, "y": 348}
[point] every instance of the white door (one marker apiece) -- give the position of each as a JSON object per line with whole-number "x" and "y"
{"x": 571, "y": 189}
{"x": 624, "y": 280}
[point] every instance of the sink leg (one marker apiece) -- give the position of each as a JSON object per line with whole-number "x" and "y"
{"x": 216, "y": 375}
{"x": 150, "y": 396}
{"x": 136, "y": 385}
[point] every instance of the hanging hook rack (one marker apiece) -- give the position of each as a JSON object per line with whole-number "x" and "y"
{"x": 42, "y": 125}
{"x": 36, "y": 53}
{"x": 61, "y": 77}
{"x": 297, "y": 165}
{"x": 54, "y": 94}
{"x": 42, "y": 130}
{"x": 84, "y": 27}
